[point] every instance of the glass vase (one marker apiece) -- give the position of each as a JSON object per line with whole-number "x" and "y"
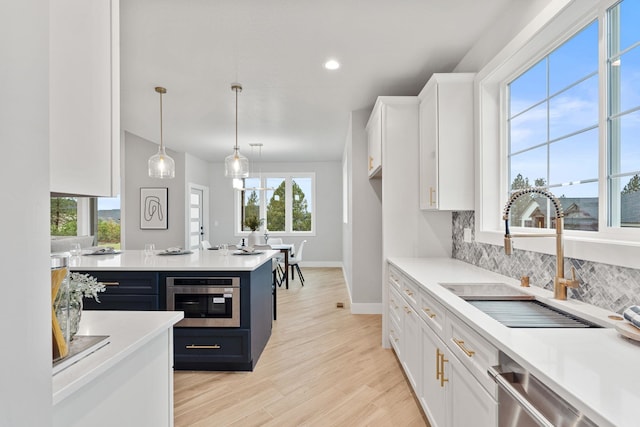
{"x": 69, "y": 317}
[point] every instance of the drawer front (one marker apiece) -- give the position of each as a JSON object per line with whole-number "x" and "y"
{"x": 209, "y": 345}
{"x": 433, "y": 313}
{"x": 122, "y": 302}
{"x": 395, "y": 278}
{"x": 127, "y": 282}
{"x": 476, "y": 353}
{"x": 410, "y": 292}
{"x": 395, "y": 337}
{"x": 395, "y": 306}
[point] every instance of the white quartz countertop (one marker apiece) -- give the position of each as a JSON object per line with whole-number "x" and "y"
{"x": 199, "y": 260}
{"x": 595, "y": 369}
{"x": 128, "y": 331}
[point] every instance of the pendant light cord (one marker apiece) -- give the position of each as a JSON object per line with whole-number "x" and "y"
{"x": 236, "y": 149}
{"x": 161, "y": 136}
{"x": 161, "y": 91}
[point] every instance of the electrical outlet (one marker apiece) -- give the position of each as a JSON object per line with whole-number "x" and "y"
{"x": 467, "y": 235}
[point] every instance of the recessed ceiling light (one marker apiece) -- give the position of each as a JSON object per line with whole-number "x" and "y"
{"x": 332, "y": 64}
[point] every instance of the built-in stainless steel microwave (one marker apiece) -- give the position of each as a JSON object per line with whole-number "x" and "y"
{"x": 206, "y": 301}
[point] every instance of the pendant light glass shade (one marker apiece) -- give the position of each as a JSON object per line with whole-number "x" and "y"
{"x": 160, "y": 164}
{"x": 236, "y": 165}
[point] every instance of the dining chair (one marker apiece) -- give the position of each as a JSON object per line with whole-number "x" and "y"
{"x": 294, "y": 262}
{"x": 279, "y": 257}
{"x": 205, "y": 244}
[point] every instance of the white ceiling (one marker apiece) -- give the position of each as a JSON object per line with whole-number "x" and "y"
{"x": 276, "y": 50}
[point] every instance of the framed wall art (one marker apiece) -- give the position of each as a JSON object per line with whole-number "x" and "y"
{"x": 154, "y": 209}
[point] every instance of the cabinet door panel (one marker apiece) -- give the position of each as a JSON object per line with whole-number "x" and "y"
{"x": 432, "y": 396}
{"x": 429, "y": 148}
{"x": 446, "y": 142}
{"x": 84, "y": 97}
{"x": 470, "y": 404}
{"x": 412, "y": 361}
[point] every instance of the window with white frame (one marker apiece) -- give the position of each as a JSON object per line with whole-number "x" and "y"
{"x": 623, "y": 114}
{"x": 553, "y": 134}
{"x": 547, "y": 116}
{"x": 284, "y": 202}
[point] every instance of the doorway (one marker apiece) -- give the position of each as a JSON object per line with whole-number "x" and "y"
{"x": 197, "y": 216}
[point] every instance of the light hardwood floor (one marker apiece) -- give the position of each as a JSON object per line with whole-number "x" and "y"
{"x": 322, "y": 367}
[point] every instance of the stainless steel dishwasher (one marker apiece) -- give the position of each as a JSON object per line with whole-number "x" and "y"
{"x": 524, "y": 401}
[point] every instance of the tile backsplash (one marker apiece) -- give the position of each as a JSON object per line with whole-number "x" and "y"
{"x": 603, "y": 285}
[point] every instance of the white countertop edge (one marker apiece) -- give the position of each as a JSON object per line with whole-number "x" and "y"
{"x": 507, "y": 339}
{"x": 150, "y": 323}
{"x": 200, "y": 260}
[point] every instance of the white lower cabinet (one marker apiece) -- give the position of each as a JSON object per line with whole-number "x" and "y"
{"x": 451, "y": 395}
{"x": 412, "y": 360}
{"x": 469, "y": 403}
{"x": 444, "y": 360}
{"x": 432, "y": 397}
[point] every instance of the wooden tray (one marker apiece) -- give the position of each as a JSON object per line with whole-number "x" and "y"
{"x": 628, "y": 330}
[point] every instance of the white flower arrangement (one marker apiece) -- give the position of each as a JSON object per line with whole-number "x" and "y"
{"x": 84, "y": 285}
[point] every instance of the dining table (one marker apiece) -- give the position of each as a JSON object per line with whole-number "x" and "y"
{"x": 286, "y": 249}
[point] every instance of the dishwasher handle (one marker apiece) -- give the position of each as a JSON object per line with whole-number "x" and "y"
{"x": 527, "y": 406}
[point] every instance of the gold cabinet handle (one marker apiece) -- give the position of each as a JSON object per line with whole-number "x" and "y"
{"x": 193, "y": 346}
{"x": 407, "y": 310}
{"x": 370, "y": 162}
{"x": 111, "y": 283}
{"x": 438, "y": 373}
{"x": 442, "y": 378}
{"x": 431, "y": 193}
{"x": 460, "y": 344}
{"x": 429, "y": 313}
{"x": 408, "y": 292}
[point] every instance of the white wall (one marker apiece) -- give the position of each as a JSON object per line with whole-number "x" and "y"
{"x": 25, "y": 361}
{"x": 137, "y": 153}
{"x": 323, "y": 249}
{"x": 362, "y": 235}
{"x": 196, "y": 170}
{"x": 512, "y": 21}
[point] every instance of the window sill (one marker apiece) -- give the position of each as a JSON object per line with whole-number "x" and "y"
{"x": 614, "y": 252}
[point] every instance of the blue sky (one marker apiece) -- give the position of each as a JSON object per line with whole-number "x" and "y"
{"x": 572, "y": 106}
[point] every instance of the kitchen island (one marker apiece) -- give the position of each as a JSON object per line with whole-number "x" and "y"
{"x": 129, "y": 381}
{"x": 137, "y": 281}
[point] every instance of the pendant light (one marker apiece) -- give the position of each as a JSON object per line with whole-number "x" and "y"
{"x": 238, "y": 184}
{"x": 160, "y": 164}
{"x": 236, "y": 165}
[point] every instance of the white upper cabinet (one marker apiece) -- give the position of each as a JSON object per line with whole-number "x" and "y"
{"x": 446, "y": 143}
{"x": 374, "y": 141}
{"x": 84, "y": 97}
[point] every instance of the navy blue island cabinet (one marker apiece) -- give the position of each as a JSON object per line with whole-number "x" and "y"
{"x": 210, "y": 348}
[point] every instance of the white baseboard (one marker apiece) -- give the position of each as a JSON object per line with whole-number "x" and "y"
{"x": 356, "y": 308}
{"x": 366, "y": 308}
{"x": 321, "y": 264}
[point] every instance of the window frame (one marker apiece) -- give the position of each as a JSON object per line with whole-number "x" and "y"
{"x": 552, "y": 27}
{"x": 288, "y": 177}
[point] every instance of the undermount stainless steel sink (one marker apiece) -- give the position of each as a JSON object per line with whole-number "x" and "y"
{"x": 530, "y": 314}
{"x": 487, "y": 291}
{"x": 515, "y": 308}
